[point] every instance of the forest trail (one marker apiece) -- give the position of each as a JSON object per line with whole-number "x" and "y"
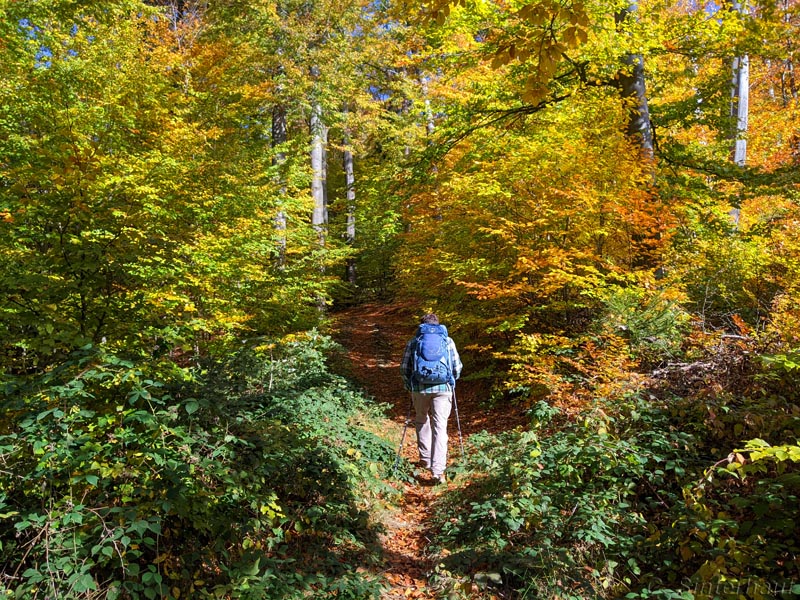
{"x": 374, "y": 336}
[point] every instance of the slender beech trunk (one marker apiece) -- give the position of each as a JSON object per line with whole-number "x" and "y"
{"x": 634, "y": 93}
{"x": 740, "y": 106}
{"x": 319, "y": 184}
{"x": 740, "y": 102}
{"x": 429, "y": 124}
{"x": 279, "y": 138}
{"x": 788, "y": 81}
{"x": 350, "y": 194}
{"x": 771, "y": 90}
{"x": 405, "y": 108}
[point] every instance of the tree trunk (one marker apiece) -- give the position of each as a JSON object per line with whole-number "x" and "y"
{"x": 429, "y": 123}
{"x": 634, "y": 93}
{"x": 319, "y": 186}
{"x": 350, "y": 192}
{"x": 788, "y": 81}
{"x": 740, "y": 102}
{"x": 279, "y": 138}
{"x": 740, "y": 106}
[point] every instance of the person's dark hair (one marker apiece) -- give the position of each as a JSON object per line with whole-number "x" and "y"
{"x": 430, "y": 319}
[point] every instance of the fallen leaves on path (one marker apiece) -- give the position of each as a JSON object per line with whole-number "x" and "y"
{"x": 374, "y": 337}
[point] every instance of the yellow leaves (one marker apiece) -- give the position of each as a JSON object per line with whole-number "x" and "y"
{"x": 534, "y": 90}
{"x": 437, "y": 10}
{"x": 536, "y": 14}
{"x": 544, "y": 31}
{"x": 271, "y": 509}
{"x": 760, "y": 450}
{"x": 550, "y": 30}
{"x": 549, "y": 58}
{"x": 578, "y": 15}
{"x": 574, "y": 36}
{"x": 500, "y": 58}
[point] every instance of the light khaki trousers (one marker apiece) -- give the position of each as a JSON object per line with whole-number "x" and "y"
{"x": 432, "y": 412}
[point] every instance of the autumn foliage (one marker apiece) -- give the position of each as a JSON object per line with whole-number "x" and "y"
{"x": 600, "y": 199}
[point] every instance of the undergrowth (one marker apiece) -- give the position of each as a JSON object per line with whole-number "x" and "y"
{"x": 249, "y": 477}
{"x": 651, "y": 495}
{"x": 564, "y": 513}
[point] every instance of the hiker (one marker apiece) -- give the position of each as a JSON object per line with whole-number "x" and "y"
{"x": 430, "y": 367}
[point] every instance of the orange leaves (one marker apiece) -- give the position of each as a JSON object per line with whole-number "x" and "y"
{"x": 411, "y": 587}
{"x": 570, "y": 372}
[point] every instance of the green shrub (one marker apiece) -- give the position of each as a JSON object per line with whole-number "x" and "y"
{"x": 568, "y": 514}
{"x": 736, "y": 535}
{"x": 653, "y": 325}
{"x": 251, "y": 477}
{"x": 724, "y": 270}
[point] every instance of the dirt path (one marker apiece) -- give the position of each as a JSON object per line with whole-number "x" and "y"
{"x": 375, "y": 336}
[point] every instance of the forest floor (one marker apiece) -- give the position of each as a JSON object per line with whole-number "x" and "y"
{"x": 374, "y": 337}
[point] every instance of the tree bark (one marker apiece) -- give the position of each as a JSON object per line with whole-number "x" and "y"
{"x": 740, "y": 106}
{"x": 279, "y": 138}
{"x": 788, "y": 81}
{"x": 319, "y": 184}
{"x": 350, "y": 194}
{"x": 634, "y": 92}
{"x": 429, "y": 123}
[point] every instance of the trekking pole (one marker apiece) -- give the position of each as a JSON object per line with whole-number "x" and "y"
{"x": 458, "y": 423}
{"x": 403, "y": 438}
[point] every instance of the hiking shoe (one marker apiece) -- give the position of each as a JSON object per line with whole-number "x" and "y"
{"x": 422, "y": 464}
{"x": 439, "y": 479}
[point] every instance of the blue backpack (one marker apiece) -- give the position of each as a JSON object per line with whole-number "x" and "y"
{"x": 431, "y": 360}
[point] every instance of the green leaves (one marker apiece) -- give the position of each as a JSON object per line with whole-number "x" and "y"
{"x": 788, "y": 362}
{"x": 146, "y": 479}
{"x": 759, "y": 450}
{"x": 568, "y": 507}
{"x": 137, "y": 204}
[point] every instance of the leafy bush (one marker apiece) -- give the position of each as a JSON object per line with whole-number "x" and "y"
{"x": 724, "y": 271}
{"x": 147, "y": 480}
{"x": 573, "y": 371}
{"x": 737, "y": 533}
{"x": 653, "y": 324}
{"x": 568, "y": 515}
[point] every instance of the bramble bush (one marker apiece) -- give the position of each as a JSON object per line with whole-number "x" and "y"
{"x": 249, "y": 477}
{"x": 737, "y": 533}
{"x": 567, "y": 513}
{"x": 738, "y": 527}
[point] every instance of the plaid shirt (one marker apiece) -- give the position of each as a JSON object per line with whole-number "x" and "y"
{"x": 406, "y": 365}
